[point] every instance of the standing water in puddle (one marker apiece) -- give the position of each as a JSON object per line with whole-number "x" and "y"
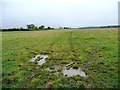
{"x": 41, "y": 61}
{"x": 72, "y": 72}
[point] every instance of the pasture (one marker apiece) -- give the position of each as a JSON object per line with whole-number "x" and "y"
{"x": 94, "y": 51}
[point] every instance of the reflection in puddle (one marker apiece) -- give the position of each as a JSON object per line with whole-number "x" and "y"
{"x": 72, "y": 72}
{"x": 41, "y": 61}
{"x": 69, "y": 73}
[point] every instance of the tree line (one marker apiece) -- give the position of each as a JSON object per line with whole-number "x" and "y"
{"x": 30, "y": 27}
{"x": 33, "y": 27}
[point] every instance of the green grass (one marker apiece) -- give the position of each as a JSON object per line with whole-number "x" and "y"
{"x": 94, "y": 51}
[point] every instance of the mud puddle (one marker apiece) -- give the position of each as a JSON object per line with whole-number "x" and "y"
{"x": 69, "y": 73}
{"x": 73, "y": 72}
{"x": 42, "y": 59}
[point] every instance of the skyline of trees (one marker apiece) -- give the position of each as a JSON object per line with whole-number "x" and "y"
{"x": 32, "y": 27}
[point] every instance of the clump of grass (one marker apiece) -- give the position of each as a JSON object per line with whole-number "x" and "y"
{"x": 33, "y": 52}
{"x": 72, "y": 56}
{"x": 68, "y": 67}
{"x": 75, "y": 66}
{"x": 63, "y": 62}
{"x": 39, "y": 58}
{"x": 59, "y": 70}
{"x": 52, "y": 68}
{"x": 50, "y": 57}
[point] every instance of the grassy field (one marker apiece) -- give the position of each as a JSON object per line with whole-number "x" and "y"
{"x": 94, "y": 51}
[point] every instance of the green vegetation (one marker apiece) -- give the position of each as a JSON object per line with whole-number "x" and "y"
{"x": 30, "y": 27}
{"x": 94, "y": 51}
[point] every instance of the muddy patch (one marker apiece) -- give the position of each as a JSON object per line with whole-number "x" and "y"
{"x": 41, "y": 59}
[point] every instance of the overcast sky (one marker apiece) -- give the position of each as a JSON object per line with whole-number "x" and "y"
{"x": 55, "y": 13}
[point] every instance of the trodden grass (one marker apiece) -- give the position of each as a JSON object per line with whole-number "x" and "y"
{"x": 94, "y": 51}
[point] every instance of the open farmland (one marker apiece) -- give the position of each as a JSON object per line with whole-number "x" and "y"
{"x": 94, "y": 51}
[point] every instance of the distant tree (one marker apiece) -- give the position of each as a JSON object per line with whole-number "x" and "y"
{"x": 67, "y": 28}
{"x": 52, "y": 28}
{"x": 36, "y": 28}
{"x": 42, "y": 27}
{"x": 49, "y": 28}
{"x": 31, "y": 27}
{"x": 21, "y": 29}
